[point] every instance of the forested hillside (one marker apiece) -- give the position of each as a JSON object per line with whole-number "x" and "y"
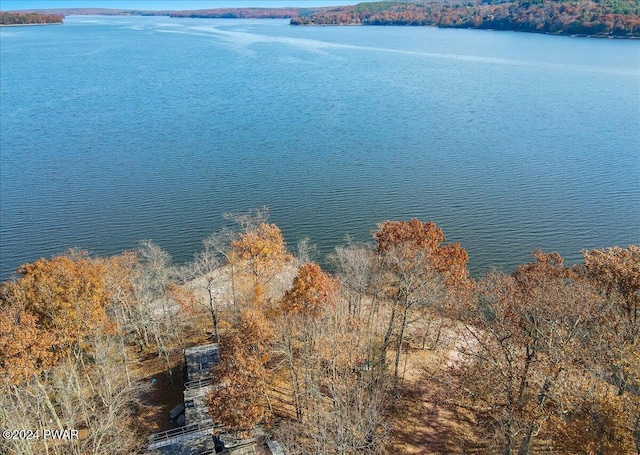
{"x": 29, "y": 18}
{"x": 241, "y": 13}
{"x": 619, "y": 18}
{"x": 611, "y": 18}
{"x": 398, "y": 350}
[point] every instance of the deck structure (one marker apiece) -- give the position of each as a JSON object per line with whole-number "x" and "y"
{"x": 196, "y": 437}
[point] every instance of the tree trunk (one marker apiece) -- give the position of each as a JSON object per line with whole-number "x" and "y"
{"x": 49, "y": 405}
{"x": 507, "y": 439}
{"x": 437, "y": 340}
{"x": 399, "y": 344}
{"x": 636, "y": 433}
{"x": 525, "y": 444}
{"x": 214, "y": 313}
{"x": 295, "y": 385}
{"x": 387, "y": 337}
{"x": 233, "y": 287}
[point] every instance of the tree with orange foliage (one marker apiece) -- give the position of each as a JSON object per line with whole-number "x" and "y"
{"x": 310, "y": 295}
{"x": 419, "y": 240}
{"x": 261, "y": 252}
{"x": 615, "y": 274}
{"x": 311, "y": 292}
{"x": 523, "y": 350}
{"x": 339, "y": 403}
{"x": 51, "y": 309}
{"x": 25, "y": 349}
{"x": 594, "y": 420}
{"x": 240, "y": 399}
{"x": 60, "y": 361}
{"x": 414, "y": 263}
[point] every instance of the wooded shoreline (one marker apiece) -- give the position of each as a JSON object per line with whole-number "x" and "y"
{"x": 399, "y": 346}
{"x": 28, "y": 25}
{"x": 29, "y": 18}
{"x": 572, "y": 35}
{"x": 602, "y": 19}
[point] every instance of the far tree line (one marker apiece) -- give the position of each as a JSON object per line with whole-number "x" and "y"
{"x": 543, "y": 359}
{"x": 616, "y": 18}
{"x": 582, "y": 17}
{"x": 8, "y": 18}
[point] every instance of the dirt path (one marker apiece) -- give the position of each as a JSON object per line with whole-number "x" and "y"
{"x": 421, "y": 422}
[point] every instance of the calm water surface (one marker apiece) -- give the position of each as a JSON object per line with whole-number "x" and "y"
{"x": 115, "y": 130}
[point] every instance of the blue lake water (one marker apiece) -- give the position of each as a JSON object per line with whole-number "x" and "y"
{"x": 115, "y": 130}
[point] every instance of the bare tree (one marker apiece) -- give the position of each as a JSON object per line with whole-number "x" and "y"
{"x": 356, "y": 269}
{"x": 88, "y": 392}
{"x": 520, "y": 347}
{"x": 414, "y": 266}
{"x": 156, "y": 311}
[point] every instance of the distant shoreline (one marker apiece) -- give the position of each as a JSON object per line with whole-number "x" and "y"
{"x": 562, "y": 18}
{"x": 571, "y": 35}
{"x": 30, "y": 25}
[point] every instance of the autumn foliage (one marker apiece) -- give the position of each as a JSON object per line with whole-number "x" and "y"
{"x": 26, "y": 350}
{"x": 63, "y": 357}
{"x": 423, "y": 241}
{"x": 49, "y": 312}
{"x": 240, "y": 400}
{"x": 15, "y": 18}
{"x": 258, "y": 253}
{"x": 262, "y": 249}
{"x": 544, "y": 359}
{"x": 546, "y": 354}
{"x": 311, "y": 292}
{"x": 612, "y": 18}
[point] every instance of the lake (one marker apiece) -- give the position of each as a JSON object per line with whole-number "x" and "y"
{"x": 121, "y": 129}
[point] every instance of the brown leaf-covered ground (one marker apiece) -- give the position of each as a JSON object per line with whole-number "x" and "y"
{"x": 421, "y": 422}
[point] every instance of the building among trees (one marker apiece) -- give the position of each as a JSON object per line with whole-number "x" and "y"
{"x": 199, "y": 434}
